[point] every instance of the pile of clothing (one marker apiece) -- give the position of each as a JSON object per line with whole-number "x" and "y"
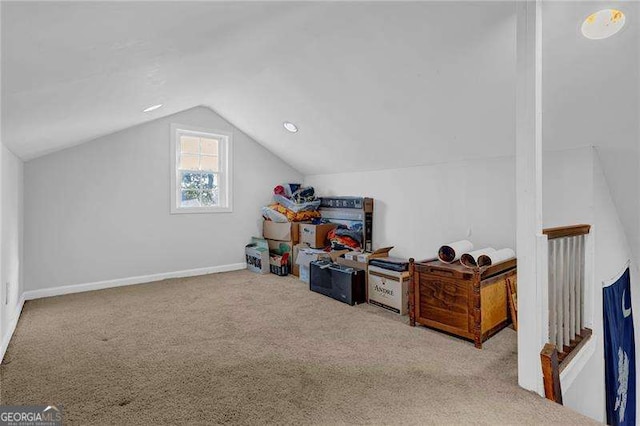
{"x": 346, "y": 238}
{"x": 343, "y": 237}
{"x": 292, "y": 203}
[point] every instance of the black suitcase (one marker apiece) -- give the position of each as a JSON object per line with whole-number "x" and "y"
{"x": 339, "y": 282}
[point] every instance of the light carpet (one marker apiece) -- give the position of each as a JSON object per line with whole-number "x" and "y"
{"x": 243, "y": 348}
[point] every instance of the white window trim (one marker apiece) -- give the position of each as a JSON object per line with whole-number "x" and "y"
{"x": 225, "y": 162}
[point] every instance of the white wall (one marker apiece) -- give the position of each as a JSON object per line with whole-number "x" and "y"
{"x": 11, "y": 168}
{"x": 567, "y": 184}
{"x": 101, "y": 210}
{"x": 417, "y": 209}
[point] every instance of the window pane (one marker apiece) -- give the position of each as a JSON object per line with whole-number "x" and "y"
{"x": 200, "y": 159}
{"x": 209, "y": 163}
{"x": 190, "y": 144}
{"x": 208, "y": 181}
{"x": 189, "y": 162}
{"x": 209, "y": 198}
{"x": 199, "y": 190}
{"x": 209, "y": 146}
{"x": 197, "y": 180}
{"x": 190, "y": 198}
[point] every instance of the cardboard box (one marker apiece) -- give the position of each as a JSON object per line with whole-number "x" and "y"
{"x": 315, "y": 235}
{"x": 285, "y": 231}
{"x": 363, "y": 257}
{"x": 280, "y": 248}
{"x": 257, "y": 255}
{"x": 352, "y": 255}
{"x": 389, "y": 289}
{"x": 350, "y": 211}
{"x": 279, "y": 264}
{"x": 295, "y": 268}
{"x": 359, "y": 260}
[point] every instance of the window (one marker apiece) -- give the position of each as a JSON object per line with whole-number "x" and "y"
{"x": 201, "y": 170}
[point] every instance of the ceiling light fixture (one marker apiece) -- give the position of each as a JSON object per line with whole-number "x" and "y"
{"x": 290, "y": 126}
{"x": 152, "y": 108}
{"x": 603, "y": 24}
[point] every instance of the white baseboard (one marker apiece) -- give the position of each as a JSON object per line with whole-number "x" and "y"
{"x": 99, "y": 285}
{"x": 4, "y": 343}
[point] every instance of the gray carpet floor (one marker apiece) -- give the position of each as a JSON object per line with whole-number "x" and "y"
{"x": 243, "y": 348}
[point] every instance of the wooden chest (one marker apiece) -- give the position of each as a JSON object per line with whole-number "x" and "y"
{"x": 470, "y": 303}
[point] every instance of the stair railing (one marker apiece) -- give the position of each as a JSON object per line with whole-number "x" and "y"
{"x": 567, "y": 333}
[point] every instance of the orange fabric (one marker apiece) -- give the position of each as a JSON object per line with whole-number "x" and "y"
{"x": 293, "y": 216}
{"x": 342, "y": 240}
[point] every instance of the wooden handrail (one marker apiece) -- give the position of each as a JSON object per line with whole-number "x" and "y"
{"x": 553, "y": 362}
{"x": 566, "y": 231}
{"x": 551, "y": 373}
{"x": 566, "y": 285}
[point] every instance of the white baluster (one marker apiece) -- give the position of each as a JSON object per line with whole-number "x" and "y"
{"x": 566, "y": 325}
{"x": 552, "y": 290}
{"x": 580, "y": 296}
{"x": 559, "y": 293}
{"x": 572, "y": 282}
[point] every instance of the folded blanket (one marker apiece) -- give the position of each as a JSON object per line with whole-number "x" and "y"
{"x": 292, "y": 216}
{"x": 391, "y": 263}
{"x": 270, "y": 213}
{"x": 304, "y": 195}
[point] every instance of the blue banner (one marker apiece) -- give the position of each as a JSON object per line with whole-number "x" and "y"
{"x": 619, "y": 352}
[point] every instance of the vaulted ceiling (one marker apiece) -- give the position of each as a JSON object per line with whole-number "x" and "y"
{"x": 370, "y": 85}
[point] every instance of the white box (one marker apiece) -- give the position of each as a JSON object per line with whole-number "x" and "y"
{"x": 389, "y": 289}
{"x": 352, "y": 255}
{"x": 305, "y": 257}
{"x": 304, "y": 274}
{"x": 257, "y": 255}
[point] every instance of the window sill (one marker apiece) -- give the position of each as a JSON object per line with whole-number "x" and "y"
{"x": 201, "y": 210}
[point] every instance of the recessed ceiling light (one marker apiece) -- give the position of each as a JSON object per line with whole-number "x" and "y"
{"x": 602, "y": 24}
{"x": 290, "y": 126}
{"x": 152, "y": 108}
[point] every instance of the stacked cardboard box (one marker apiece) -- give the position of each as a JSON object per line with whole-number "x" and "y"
{"x": 281, "y": 238}
{"x": 351, "y": 211}
{"x": 279, "y": 264}
{"x": 316, "y": 235}
{"x": 360, "y": 260}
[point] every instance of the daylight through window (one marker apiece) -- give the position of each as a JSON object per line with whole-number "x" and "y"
{"x": 201, "y": 179}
